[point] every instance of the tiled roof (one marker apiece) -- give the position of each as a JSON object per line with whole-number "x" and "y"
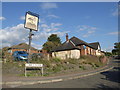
{"x": 22, "y": 46}
{"x": 77, "y": 41}
{"x": 67, "y": 45}
{"x": 73, "y": 42}
{"x": 94, "y": 45}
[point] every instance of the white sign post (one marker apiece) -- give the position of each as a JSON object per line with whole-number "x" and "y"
{"x": 30, "y": 65}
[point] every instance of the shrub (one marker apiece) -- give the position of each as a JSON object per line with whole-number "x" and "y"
{"x": 92, "y": 60}
{"x": 46, "y": 74}
{"x": 83, "y": 57}
{"x": 73, "y": 61}
{"x": 55, "y": 60}
{"x": 56, "y": 69}
{"x": 97, "y": 65}
{"x": 34, "y": 58}
{"x": 82, "y": 67}
{"x": 102, "y": 56}
{"x": 64, "y": 68}
{"x": 103, "y": 59}
{"x": 49, "y": 70}
{"x": 93, "y": 65}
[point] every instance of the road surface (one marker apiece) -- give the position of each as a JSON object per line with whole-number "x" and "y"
{"x": 107, "y": 79}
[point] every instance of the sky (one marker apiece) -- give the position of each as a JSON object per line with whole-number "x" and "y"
{"x": 88, "y": 21}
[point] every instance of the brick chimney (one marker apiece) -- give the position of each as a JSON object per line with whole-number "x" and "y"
{"x": 67, "y": 37}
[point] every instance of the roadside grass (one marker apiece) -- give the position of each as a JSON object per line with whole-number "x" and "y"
{"x": 92, "y": 60}
{"x": 82, "y": 67}
{"x": 13, "y": 68}
{"x": 73, "y": 61}
{"x": 54, "y": 66}
{"x": 0, "y": 59}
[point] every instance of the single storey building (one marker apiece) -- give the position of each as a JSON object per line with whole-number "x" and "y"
{"x": 74, "y": 48}
{"x": 21, "y": 47}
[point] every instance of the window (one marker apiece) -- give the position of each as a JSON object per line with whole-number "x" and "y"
{"x": 84, "y": 46}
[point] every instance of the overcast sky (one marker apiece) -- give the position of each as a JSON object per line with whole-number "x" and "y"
{"x": 89, "y": 21}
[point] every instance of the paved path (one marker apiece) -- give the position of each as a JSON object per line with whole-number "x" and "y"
{"x": 71, "y": 83}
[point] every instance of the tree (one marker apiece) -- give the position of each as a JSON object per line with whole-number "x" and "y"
{"x": 0, "y": 53}
{"x": 6, "y": 55}
{"x": 52, "y": 42}
{"x": 116, "y": 50}
{"x": 54, "y": 38}
{"x": 108, "y": 54}
{"x": 48, "y": 46}
{"x": 4, "y": 51}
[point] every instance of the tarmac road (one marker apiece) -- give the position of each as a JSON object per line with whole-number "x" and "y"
{"x": 107, "y": 79}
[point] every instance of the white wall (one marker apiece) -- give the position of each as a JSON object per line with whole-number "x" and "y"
{"x": 98, "y": 52}
{"x": 75, "y": 54}
{"x": 67, "y": 54}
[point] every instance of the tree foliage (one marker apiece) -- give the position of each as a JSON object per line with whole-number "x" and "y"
{"x": 4, "y": 51}
{"x": 6, "y": 55}
{"x": 108, "y": 54}
{"x": 52, "y": 42}
{"x": 0, "y": 53}
{"x": 116, "y": 50}
{"x": 54, "y": 38}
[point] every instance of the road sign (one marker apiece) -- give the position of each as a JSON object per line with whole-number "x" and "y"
{"x": 31, "y": 21}
{"x": 31, "y": 65}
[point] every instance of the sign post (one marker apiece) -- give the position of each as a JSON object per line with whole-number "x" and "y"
{"x": 30, "y": 39}
{"x": 31, "y": 22}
